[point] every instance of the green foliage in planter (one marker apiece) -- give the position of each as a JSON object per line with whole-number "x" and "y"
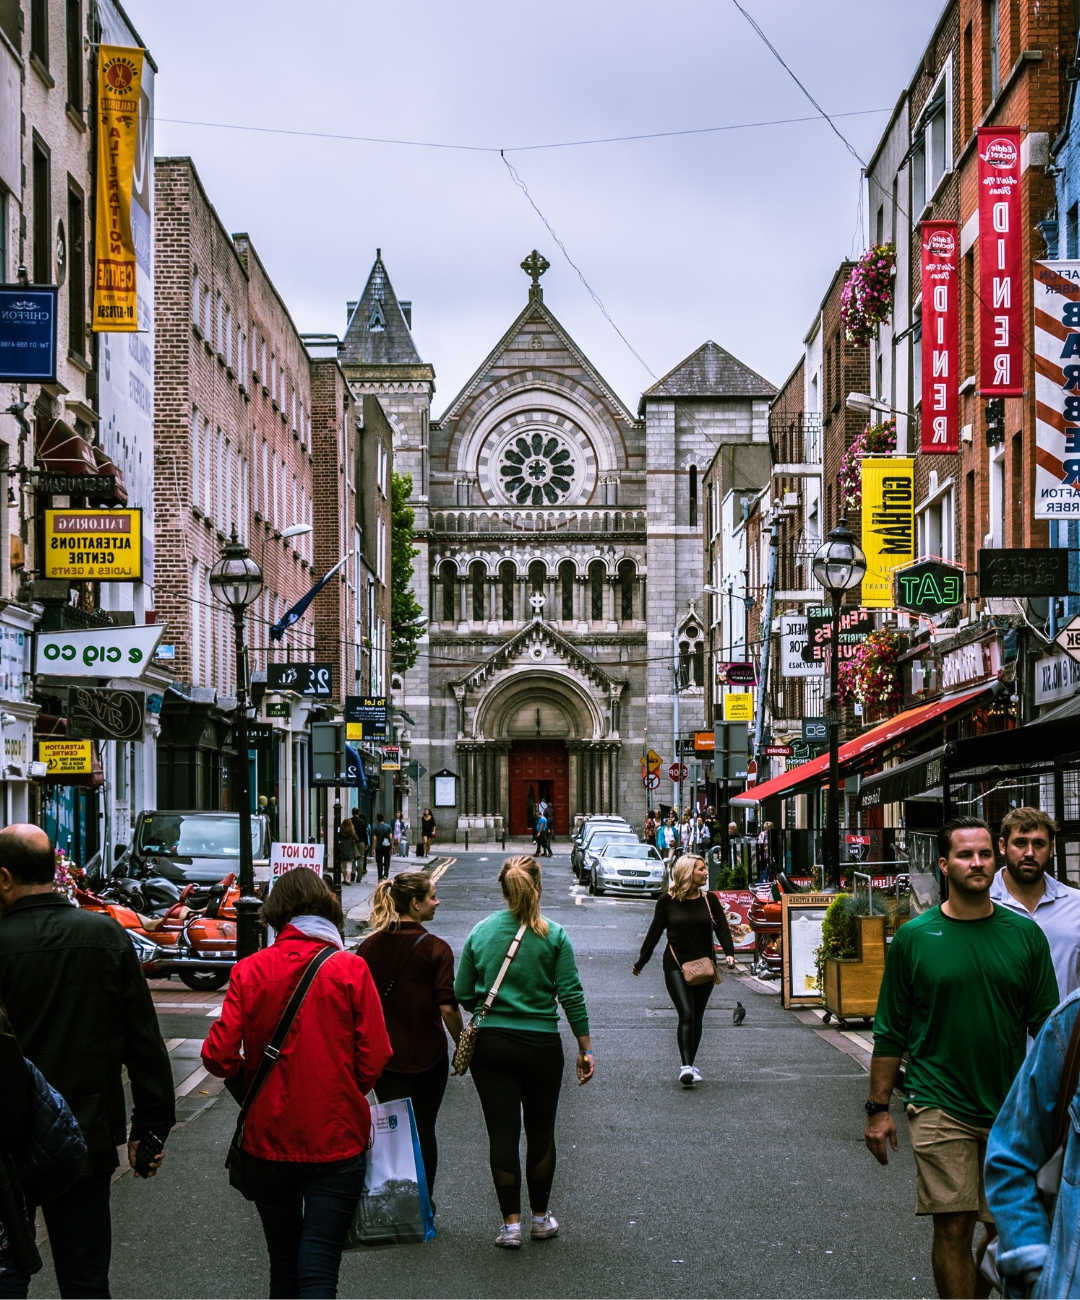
{"x": 839, "y": 932}
{"x": 725, "y": 878}
{"x": 739, "y": 877}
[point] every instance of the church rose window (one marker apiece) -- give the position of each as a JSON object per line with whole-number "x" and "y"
{"x": 537, "y": 470}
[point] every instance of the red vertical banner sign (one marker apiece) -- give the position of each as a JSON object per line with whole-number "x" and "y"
{"x": 1001, "y": 258}
{"x": 940, "y": 337}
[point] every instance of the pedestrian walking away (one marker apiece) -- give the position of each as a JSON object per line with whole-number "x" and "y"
{"x": 363, "y": 839}
{"x": 308, "y": 1128}
{"x": 540, "y": 835}
{"x": 81, "y": 1011}
{"x": 688, "y": 916}
{"x": 348, "y": 849}
{"x": 428, "y": 831}
{"x": 964, "y": 984}
{"x": 1026, "y": 845}
{"x": 382, "y": 839}
{"x": 414, "y": 974}
{"x": 1036, "y": 1249}
{"x": 517, "y": 1066}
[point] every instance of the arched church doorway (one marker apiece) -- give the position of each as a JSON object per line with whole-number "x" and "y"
{"x": 539, "y": 770}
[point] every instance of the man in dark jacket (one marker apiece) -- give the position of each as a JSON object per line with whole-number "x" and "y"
{"x": 382, "y": 839}
{"x": 81, "y": 1010}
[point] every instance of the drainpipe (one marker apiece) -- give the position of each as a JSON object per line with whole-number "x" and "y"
{"x": 766, "y": 646}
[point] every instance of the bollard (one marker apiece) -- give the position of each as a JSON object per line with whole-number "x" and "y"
{"x": 466, "y": 841}
{"x": 504, "y": 849}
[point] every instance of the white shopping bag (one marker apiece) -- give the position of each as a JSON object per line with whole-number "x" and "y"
{"x": 395, "y": 1208}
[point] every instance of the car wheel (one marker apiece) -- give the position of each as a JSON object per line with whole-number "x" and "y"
{"x": 594, "y": 887}
{"x": 204, "y": 981}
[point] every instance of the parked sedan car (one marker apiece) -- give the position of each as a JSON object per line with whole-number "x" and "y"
{"x": 593, "y": 840}
{"x": 624, "y": 868}
{"x": 594, "y": 820}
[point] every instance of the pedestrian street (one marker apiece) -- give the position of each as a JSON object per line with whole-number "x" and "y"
{"x": 755, "y": 1183}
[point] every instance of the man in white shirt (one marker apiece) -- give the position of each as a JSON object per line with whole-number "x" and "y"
{"x": 1027, "y": 845}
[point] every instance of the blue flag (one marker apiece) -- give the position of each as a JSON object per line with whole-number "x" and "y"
{"x": 297, "y": 612}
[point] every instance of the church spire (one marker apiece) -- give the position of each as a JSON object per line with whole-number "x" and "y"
{"x": 379, "y": 330}
{"x": 535, "y": 265}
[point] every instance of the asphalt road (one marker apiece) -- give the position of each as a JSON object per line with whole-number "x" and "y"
{"x": 756, "y": 1183}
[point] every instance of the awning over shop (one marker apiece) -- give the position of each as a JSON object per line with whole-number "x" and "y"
{"x": 60, "y": 450}
{"x": 904, "y": 781}
{"x": 118, "y": 496}
{"x": 855, "y": 752}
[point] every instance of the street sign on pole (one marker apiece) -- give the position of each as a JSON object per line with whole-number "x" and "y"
{"x": 678, "y": 772}
{"x": 1069, "y": 637}
{"x": 651, "y": 781}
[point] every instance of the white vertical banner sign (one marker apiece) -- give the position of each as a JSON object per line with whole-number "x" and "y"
{"x": 1056, "y": 302}
{"x": 793, "y": 638}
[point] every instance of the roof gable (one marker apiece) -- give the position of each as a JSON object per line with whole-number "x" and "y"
{"x": 711, "y": 371}
{"x": 378, "y": 333}
{"x": 521, "y": 651}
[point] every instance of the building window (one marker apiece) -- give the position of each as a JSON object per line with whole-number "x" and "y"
{"x": 693, "y": 496}
{"x": 1072, "y": 231}
{"x": 479, "y": 582}
{"x": 196, "y": 468}
{"x": 448, "y": 576}
{"x": 3, "y": 235}
{"x": 42, "y": 252}
{"x": 507, "y": 578}
{"x": 567, "y": 581}
{"x": 1017, "y": 489}
{"x": 228, "y": 336}
{"x": 196, "y": 299}
{"x": 74, "y": 57}
{"x": 537, "y": 578}
{"x": 596, "y": 591}
{"x": 39, "y": 32}
{"x": 918, "y": 180}
{"x": 76, "y": 271}
{"x": 935, "y": 528}
{"x": 993, "y": 41}
{"x": 627, "y": 576}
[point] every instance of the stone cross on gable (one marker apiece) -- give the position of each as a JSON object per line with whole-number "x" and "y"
{"x": 537, "y": 601}
{"x": 535, "y": 265}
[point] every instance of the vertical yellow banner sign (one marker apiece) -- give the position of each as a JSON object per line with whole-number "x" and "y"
{"x": 119, "y": 82}
{"x": 888, "y": 525}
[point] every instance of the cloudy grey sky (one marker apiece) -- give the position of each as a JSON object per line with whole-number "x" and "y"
{"x": 731, "y": 235}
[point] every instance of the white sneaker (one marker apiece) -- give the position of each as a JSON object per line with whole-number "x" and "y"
{"x": 509, "y": 1236}
{"x": 686, "y": 1076}
{"x": 546, "y": 1227}
{"x": 696, "y": 1073}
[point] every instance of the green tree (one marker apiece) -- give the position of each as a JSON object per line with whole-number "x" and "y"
{"x": 405, "y": 609}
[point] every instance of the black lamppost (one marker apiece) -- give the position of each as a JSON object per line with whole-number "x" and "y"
{"x": 839, "y": 566}
{"x": 236, "y": 580}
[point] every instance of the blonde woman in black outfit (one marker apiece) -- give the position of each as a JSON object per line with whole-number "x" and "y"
{"x": 689, "y": 915}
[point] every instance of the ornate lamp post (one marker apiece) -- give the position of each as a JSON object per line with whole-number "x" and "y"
{"x": 839, "y": 566}
{"x": 236, "y": 580}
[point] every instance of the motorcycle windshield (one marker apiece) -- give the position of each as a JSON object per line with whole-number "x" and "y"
{"x": 177, "y": 835}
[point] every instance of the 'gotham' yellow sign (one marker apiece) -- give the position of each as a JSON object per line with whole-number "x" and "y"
{"x": 888, "y": 525}
{"x": 94, "y": 545}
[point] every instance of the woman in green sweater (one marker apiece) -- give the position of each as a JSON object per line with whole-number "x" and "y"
{"x": 518, "y": 1063}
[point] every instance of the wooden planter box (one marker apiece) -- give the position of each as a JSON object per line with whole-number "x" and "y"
{"x": 852, "y": 983}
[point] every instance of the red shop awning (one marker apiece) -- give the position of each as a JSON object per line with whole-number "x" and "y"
{"x": 118, "y": 496}
{"x": 61, "y": 450}
{"x": 811, "y": 775}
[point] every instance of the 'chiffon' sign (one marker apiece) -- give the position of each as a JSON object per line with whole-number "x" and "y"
{"x": 940, "y": 337}
{"x": 1001, "y": 259}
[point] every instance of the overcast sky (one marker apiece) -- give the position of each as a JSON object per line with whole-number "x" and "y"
{"x": 731, "y": 236}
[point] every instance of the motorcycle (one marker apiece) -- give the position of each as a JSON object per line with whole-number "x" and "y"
{"x": 199, "y": 945}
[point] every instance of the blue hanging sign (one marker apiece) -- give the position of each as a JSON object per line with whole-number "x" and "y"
{"x": 27, "y": 335}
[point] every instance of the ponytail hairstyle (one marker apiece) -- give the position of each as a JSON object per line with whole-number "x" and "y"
{"x": 392, "y": 898}
{"x": 520, "y": 881}
{"x": 682, "y": 878}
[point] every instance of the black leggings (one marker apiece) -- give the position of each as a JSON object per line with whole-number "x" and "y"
{"x": 514, "y": 1076}
{"x": 690, "y": 1002}
{"x": 426, "y": 1090}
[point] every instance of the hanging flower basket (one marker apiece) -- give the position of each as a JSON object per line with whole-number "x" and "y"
{"x": 871, "y": 676}
{"x": 875, "y": 440}
{"x": 867, "y": 299}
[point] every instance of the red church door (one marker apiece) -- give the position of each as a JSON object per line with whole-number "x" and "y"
{"x": 539, "y": 769}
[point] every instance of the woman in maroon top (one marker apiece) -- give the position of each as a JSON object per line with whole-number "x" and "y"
{"x": 414, "y": 974}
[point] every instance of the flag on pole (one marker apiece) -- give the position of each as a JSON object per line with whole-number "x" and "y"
{"x": 298, "y": 610}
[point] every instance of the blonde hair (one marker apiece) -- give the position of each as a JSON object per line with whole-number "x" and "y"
{"x": 520, "y": 881}
{"x": 393, "y": 898}
{"x": 682, "y": 877}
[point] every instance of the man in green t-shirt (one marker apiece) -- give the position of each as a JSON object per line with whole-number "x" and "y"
{"x": 964, "y": 985}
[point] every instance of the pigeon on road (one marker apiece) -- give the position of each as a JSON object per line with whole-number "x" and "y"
{"x": 739, "y": 1014}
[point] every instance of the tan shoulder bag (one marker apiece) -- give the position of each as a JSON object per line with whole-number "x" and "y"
{"x": 466, "y": 1045}
{"x": 702, "y": 970}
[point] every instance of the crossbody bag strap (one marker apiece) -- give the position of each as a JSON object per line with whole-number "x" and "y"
{"x": 1070, "y": 1078}
{"x": 510, "y": 955}
{"x": 273, "y": 1048}
{"x": 404, "y": 962}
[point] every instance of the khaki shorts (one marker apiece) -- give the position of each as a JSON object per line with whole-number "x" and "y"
{"x": 949, "y": 1157}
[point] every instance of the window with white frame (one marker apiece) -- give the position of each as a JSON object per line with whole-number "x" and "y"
{"x": 196, "y": 298}
{"x": 196, "y": 456}
{"x": 931, "y": 156}
{"x": 935, "y": 523}
{"x": 228, "y": 337}
{"x": 380, "y": 551}
{"x": 207, "y": 320}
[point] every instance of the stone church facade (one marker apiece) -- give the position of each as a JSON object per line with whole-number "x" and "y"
{"x": 560, "y": 561}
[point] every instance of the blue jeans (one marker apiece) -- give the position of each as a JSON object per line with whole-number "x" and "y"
{"x": 306, "y": 1209}
{"x": 80, "y": 1237}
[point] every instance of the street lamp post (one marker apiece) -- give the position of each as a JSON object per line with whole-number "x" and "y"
{"x": 236, "y": 580}
{"x": 839, "y": 566}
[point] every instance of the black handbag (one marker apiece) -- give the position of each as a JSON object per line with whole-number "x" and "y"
{"x": 236, "y": 1162}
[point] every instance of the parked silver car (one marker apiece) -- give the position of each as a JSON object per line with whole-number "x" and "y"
{"x": 624, "y": 867}
{"x": 593, "y": 836}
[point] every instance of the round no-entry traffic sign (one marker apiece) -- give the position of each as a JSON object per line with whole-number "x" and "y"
{"x": 678, "y": 772}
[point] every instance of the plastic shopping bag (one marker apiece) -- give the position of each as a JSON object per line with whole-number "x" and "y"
{"x": 394, "y": 1208}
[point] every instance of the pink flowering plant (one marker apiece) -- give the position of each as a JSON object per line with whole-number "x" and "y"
{"x": 875, "y": 440}
{"x": 867, "y": 298}
{"x": 67, "y": 876}
{"x": 871, "y": 676}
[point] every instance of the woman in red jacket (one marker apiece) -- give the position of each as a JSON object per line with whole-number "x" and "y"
{"x": 307, "y": 1131}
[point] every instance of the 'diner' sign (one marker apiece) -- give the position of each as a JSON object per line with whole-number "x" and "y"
{"x": 284, "y": 857}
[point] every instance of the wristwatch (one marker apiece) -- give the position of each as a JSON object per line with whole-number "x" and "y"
{"x": 875, "y": 1107}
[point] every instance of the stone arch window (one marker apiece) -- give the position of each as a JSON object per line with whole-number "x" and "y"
{"x": 507, "y": 578}
{"x": 693, "y": 496}
{"x": 567, "y": 579}
{"x": 478, "y": 575}
{"x": 596, "y": 590}
{"x": 692, "y": 655}
{"x": 448, "y": 578}
{"x": 537, "y": 576}
{"x": 627, "y": 582}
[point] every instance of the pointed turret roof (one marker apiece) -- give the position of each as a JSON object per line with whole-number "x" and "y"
{"x": 378, "y": 333}
{"x": 711, "y": 372}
